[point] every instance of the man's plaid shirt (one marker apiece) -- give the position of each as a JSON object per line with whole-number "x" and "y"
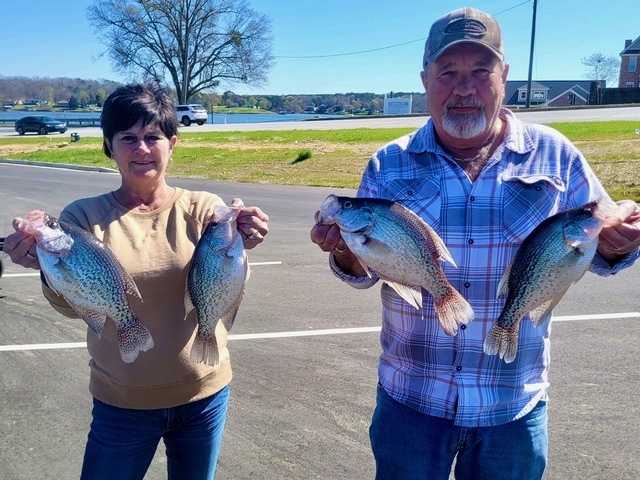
{"x": 535, "y": 173}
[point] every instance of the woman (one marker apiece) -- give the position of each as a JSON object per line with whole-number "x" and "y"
{"x": 152, "y": 228}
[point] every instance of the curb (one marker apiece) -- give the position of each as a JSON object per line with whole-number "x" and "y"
{"x": 58, "y": 165}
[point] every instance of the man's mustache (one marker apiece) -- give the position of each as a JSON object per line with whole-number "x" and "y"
{"x": 465, "y": 102}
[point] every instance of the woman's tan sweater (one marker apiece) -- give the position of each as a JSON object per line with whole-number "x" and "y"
{"x": 155, "y": 248}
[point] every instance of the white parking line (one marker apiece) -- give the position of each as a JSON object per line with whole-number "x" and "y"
{"x": 307, "y": 333}
{"x": 37, "y": 274}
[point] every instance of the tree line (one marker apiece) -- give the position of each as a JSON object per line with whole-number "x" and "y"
{"x": 76, "y": 93}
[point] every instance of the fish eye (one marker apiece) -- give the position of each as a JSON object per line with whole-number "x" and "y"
{"x": 52, "y": 224}
{"x": 347, "y": 204}
{"x": 214, "y": 224}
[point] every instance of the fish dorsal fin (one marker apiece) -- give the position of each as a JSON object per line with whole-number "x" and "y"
{"x": 419, "y": 226}
{"x": 188, "y": 302}
{"x": 129, "y": 284}
{"x": 412, "y": 296}
{"x": 441, "y": 249}
{"x": 503, "y": 286}
{"x": 93, "y": 319}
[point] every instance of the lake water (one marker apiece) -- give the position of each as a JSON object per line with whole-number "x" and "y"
{"x": 216, "y": 118}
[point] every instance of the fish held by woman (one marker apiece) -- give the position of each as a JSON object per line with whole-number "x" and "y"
{"x": 555, "y": 255}
{"x": 402, "y": 249}
{"x": 81, "y": 268}
{"x": 216, "y": 280}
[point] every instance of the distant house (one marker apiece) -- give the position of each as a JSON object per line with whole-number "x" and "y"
{"x": 548, "y": 93}
{"x": 62, "y": 104}
{"x": 629, "y": 77}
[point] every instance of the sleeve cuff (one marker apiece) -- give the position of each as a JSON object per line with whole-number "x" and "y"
{"x": 601, "y": 267}
{"x": 360, "y": 282}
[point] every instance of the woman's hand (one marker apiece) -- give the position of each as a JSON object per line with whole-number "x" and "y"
{"x": 21, "y": 247}
{"x": 252, "y": 224}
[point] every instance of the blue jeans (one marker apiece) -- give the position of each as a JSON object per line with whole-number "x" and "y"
{"x": 122, "y": 442}
{"x": 409, "y": 445}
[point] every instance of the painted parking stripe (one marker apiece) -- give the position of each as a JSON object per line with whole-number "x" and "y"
{"x": 37, "y": 274}
{"x": 308, "y": 333}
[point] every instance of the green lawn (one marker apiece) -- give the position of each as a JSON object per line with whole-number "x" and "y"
{"x": 333, "y": 158}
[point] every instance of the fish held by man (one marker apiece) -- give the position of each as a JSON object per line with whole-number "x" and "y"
{"x": 216, "y": 281}
{"x": 402, "y": 249}
{"x": 555, "y": 255}
{"x": 81, "y": 268}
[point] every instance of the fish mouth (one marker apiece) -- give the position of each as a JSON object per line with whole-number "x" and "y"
{"x": 328, "y": 210}
{"x": 606, "y": 211}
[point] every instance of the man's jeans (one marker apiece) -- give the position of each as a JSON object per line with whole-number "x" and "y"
{"x": 122, "y": 442}
{"x": 409, "y": 445}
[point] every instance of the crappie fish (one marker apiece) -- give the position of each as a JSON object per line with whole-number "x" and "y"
{"x": 402, "y": 249}
{"x": 87, "y": 274}
{"x": 217, "y": 276}
{"x": 555, "y": 255}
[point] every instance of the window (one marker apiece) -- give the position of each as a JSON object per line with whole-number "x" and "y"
{"x": 629, "y": 85}
{"x": 633, "y": 64}
{"x": 523, "y": 94}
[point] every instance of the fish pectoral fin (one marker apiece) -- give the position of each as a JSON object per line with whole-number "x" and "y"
{"x": 365, "y": 267}
{"x": 50, "y": 283}
{"x": 541, "y": 312}
{"x": 577, "y": 238}
{"x": 93, "y": 319}
{"x": 409, "y": 294}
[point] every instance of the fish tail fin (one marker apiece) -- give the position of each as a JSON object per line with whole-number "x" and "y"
{"x": 503, "y": 341}
{"x": 205, "y": 349}
{"x": 452, "y": 310}
{"x": 133, "y": 338}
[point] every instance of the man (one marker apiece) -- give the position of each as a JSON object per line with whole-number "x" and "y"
{"x": 483, "y": 180}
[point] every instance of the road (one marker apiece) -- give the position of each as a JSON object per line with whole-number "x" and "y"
{"x": 304, "y": 349}
{"x": 533, "y": 116}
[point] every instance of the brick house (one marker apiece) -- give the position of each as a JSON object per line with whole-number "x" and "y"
{"x": 629, "y": 64}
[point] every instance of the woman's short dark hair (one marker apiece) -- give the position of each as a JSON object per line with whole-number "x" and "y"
{"x": 127, "y": 105}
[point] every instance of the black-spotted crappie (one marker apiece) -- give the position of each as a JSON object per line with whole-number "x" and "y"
{"x": 217, "y": 276}
{"x": 87, "y": 274}
{"x": 402, "y": 249}
{"x": 556, "y": 254}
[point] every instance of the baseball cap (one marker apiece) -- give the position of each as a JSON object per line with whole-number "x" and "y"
{"x": 465, "y": 25}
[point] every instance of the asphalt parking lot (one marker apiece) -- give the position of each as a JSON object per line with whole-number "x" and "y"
{"x": 304, "y": 350}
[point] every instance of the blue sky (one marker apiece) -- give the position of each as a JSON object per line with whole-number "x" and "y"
{"x": 333, "y": 40}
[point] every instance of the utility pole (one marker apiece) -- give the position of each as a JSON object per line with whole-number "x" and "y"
{"x": 533, "y": 38}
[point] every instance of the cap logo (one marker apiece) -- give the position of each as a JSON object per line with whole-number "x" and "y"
{"x": 466, "y": 26}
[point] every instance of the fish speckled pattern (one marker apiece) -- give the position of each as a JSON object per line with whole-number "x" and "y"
{"x": 217, "y": 276}
{"x": 555, "y": 255}
{"x": 402, "y": 249}
{"x": 85, "y": 272}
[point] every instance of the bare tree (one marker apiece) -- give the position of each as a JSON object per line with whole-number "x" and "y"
{"x": 196, "y": 45}
{"x": 600, "y": 67}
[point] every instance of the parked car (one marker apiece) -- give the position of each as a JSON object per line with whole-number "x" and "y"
{"x": 41, "y": 124}
{"x": 188, "y": 114}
